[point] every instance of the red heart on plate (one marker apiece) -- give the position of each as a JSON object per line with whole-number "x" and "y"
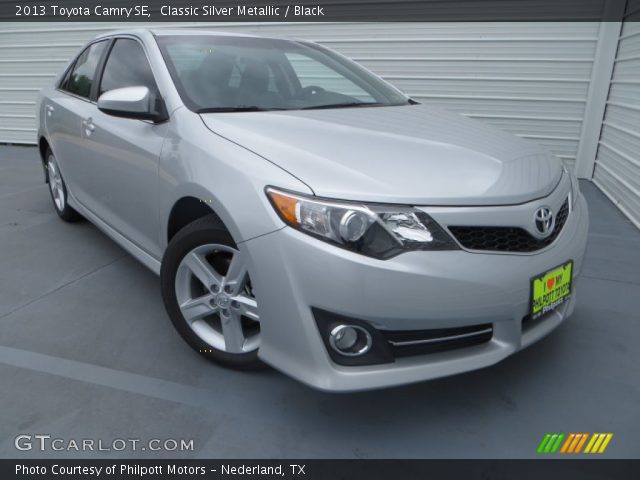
{"x": 550, "y": 283}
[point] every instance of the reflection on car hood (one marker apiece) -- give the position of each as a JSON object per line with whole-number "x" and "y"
{"x": 406, "y": 154}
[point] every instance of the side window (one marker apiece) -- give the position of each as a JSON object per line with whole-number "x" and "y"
{"x": 65, "y": 80}
{"x": 84, "y": 71}
{"x": 311, "y": 72}
{"x": 127, "y": 66}
{"x": 188, "y": 57}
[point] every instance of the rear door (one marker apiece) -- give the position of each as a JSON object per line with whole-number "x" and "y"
{"x": 123, "y": 154}
{"x": 65, "y": 110}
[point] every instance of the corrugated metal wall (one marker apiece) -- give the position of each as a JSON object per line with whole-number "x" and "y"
{"x": 617, "y": 168}
{"x": 528, "y": 78}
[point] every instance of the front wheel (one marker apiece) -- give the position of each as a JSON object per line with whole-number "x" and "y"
{"x": 208, "y": 294}
{"x": 58, "y": 190}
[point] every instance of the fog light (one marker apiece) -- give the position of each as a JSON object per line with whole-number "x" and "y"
{"x": 350, "y": 340}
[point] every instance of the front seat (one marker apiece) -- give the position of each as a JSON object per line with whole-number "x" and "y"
{"x": 208, "y": 85}
{"x": 254, "y": 86}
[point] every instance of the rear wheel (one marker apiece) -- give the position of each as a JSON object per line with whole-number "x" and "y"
{"x": 208, "y": 294}
{"x": 58, "y": 190}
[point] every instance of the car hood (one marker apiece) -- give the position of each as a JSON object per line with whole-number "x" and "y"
{"x": 411, "y": 154}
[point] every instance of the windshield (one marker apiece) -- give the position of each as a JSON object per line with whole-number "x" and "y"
{"x": 220, "y": 73}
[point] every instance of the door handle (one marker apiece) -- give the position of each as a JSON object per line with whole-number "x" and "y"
{"x": 89, "y": 127}
{"x": 49, "y": 109}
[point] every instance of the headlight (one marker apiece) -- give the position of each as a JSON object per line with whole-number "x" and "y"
{"x": 376, "y": 230}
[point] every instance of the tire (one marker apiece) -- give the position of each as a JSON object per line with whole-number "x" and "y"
{"x": 58, "y": 190}
{"x": 207, "y": 293}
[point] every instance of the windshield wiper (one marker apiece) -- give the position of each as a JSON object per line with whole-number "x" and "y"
{"x": 344, "y": 105}
{"x": 238, "y": 108}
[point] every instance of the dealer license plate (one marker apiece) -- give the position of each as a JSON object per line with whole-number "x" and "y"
{"x": 551, "y": 289}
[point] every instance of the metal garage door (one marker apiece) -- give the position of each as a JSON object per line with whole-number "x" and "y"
{"x": 531, "y": 79}
{"x": 617, "y": 167}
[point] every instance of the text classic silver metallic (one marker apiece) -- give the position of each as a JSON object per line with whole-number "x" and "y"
{"x": 304, "y": 213}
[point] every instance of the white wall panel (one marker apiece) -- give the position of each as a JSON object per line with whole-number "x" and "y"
{"x": 528, "y": 78}
{"x": 617, "y": 166}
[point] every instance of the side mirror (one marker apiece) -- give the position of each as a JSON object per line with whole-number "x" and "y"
{"x": 133, "y": 102}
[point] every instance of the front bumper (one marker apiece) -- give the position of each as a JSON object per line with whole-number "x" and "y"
{"x": 292, "y": 272}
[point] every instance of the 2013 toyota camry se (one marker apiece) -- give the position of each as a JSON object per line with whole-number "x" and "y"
{"x": 304, "y": 213}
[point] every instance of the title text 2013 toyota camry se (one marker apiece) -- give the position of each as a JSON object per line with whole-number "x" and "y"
{"x": 304, "y": 213}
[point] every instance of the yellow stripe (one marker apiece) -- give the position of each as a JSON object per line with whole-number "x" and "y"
{"x": 582, "y": 440}
{"x": 567, "y": 442}
{"x": 590, "y": 444}
{"x": 605, "y": 443}
{"x": 596, "y": 445}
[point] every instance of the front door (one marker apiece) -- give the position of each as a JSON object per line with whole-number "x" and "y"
{"x": 123, "y": 153}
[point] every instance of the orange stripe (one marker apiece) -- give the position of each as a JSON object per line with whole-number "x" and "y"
{"x": 567, "y": 442}
{"x": 574, "y": 443}
{"x": 584, "y": 439}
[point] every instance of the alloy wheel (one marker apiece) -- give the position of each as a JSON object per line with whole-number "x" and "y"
{"x": 216, "y": 299}
{"x": 55, "y": 184}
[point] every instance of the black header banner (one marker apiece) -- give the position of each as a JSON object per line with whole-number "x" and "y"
{"x": 321, "y": 469}
{"x": 317, "y": 11}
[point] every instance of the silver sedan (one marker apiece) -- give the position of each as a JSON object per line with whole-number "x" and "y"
{"x": 303, "y": 213}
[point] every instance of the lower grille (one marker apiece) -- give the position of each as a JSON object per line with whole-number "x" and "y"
{"x": 508, "y": 239}
{"x": 404, "y": 343}
{"x": 391, "y": 344}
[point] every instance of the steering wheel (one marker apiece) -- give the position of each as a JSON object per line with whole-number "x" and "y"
{"x": 309, "y": 91}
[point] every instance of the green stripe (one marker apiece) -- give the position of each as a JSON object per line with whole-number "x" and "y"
{"x": 547, "y": 449}
{"x": 544, "y": 442}
{"x": 555, "y": 448}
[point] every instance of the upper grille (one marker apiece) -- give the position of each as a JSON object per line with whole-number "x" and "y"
{"x": 508, "y": 239}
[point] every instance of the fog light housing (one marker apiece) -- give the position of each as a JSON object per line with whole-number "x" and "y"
{"x": 350, "y": 340}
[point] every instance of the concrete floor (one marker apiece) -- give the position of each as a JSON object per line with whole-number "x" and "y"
{"x": 86, "y": 351}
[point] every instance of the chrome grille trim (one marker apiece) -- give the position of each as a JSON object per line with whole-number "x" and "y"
{"x": 440, "y": 339}
{"x": 508, "y": 239}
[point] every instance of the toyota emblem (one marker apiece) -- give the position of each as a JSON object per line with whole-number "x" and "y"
{"x": 545, "y": 221}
